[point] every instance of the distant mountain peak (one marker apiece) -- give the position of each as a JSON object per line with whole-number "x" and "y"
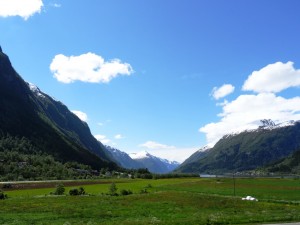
{"x": 0, "y": 49}
{"x": 141, "y": 155}
{"x": 267, "y": 123}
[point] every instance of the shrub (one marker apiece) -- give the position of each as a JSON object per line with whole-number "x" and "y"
{"x": 76, "y": 191}
{"x": 2, "y": 195}
{"x": 125, "y": 192}
{"x": 113, "y": 189}
{"x": 60, "y": 189}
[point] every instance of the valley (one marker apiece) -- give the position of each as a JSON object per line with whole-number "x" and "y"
{"x": 167, "y": 201}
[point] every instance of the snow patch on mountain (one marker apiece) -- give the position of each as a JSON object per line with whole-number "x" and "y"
{"x": 140, "y": 155}
{"x": 36, "y": 90}
{"x": 265, "y": 124}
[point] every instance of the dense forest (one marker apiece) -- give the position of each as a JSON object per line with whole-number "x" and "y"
{"x": 21, "y": 160}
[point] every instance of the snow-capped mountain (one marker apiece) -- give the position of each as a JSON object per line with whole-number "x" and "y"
{"x": 248, "y": 150}
{"x": 265, "y": 124}
{"x": 142, "y": 160}
{"x": 153, "y": 163}
{"x": 122, "y": 158}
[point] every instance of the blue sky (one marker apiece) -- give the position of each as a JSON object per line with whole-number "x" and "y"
{"x": 147, "y": 74}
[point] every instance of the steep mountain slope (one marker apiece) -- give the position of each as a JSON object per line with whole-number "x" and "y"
{"x": 154, "y": 164}
{"x": 189, "y": 163}
{"x": 47, "y": 123}
{"x": 291, "y": 164}
{"x": 123, "y": 159}
{"x": 249, "y": 149}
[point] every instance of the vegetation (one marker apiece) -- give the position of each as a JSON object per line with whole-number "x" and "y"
{"x": 79, "y": 191}
{"x": 59, "y": 190}
{"x": 113, "y": 189}
{"x": 22, "y": 160}
{"x": 249, "y": 151}
{"x": 46, "y": 123}
{"x": 168, "y": 201}
{"x": 2, "y": 195}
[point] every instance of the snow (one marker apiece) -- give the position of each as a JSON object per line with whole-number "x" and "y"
{"x": 36, "y": 90}
{"x": 140, "y": 155}
{"x": 266, "y": 125}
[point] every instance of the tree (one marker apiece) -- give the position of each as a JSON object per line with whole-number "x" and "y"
{"x": 113, "y": 189}
{"x": 60, "y": 189}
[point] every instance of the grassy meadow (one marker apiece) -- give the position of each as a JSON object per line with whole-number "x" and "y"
{"x": 168, "y": 201}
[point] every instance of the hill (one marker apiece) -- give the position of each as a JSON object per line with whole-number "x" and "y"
{"x": 248, "y": 150}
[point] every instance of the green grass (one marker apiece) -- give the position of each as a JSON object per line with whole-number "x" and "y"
{"x": 170, "y": 201}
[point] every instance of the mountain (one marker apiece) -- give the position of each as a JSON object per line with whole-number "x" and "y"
{"x": 201, "y": 153}
{"x": 291, "y": 164}
{"x": 154, "y": 164}
{"x": 27, "y": 112}
{"x": 248, "y": 150}
{"x": 141, "y": 160}
{"x": 123, "y": 159}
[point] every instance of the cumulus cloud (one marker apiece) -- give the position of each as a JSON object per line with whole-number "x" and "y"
{"x": 22, "y": 8}
{"x": 81, "y": 115}
{"x": 222, "y": 91}
{"x": 273, "y": 78}
{"x": 102, "y": 138}
{"x": 119, "y": 136}
{"x": 155, "y": 145}
{"x": 87, "y": 67}
{"x": 246, "y": 111}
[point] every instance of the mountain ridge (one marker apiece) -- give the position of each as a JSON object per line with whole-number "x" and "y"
{"x": 248, "y": 150}
{"x": 47, "y": 123}
{"x": 142, "y": 160}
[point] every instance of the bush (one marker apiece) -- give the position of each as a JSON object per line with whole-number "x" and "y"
{"x": 125, "y": 192}
{"x": 60, "y": 189}
{"x": 76, "y": 191}
{"x": 113, "y": 190}
{"x": 2, "y": 195}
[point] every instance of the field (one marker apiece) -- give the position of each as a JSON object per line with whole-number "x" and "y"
{"x": 167, "y": 201}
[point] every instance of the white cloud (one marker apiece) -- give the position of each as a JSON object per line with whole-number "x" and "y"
{"x": 81, "y": 115}
{"x": 155, "y": 145}
{"x": 119, "y": 136}
{"x": 246, "y": 111}
{"x": 273, "y": 78}
{"x": 222, "y": 91}
{"x": 56, "y": 5}
{"x": 87, "y": 67}
{"x": 175, "y": 154}
{"x": 22, "y": 8}
{"x": 102, "y": 138}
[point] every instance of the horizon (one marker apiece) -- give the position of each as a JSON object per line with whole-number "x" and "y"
{"x": 163, "y": 77}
